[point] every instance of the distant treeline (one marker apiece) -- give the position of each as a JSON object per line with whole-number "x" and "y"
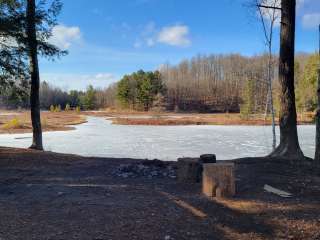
{"x": 50, "y": 96}
{"x": 216, "y": 83}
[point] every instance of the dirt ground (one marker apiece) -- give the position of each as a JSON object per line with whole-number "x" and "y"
{"x": 46, "y": 195}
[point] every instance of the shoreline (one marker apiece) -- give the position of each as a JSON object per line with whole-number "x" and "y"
{"x": 65, "y": 121}
{"x": 184, "y": 119}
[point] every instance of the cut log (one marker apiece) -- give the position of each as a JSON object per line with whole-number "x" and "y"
{"x": 208, "y": 158}
{"x": 189, "y": 170}
{"x": 218, "y": 180}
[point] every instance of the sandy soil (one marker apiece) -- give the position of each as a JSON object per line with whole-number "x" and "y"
{"x": 51, "y": 121}
{"x": 45, "y": 195}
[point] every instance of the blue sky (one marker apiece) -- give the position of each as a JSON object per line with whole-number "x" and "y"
{"x": 109, "y": 38}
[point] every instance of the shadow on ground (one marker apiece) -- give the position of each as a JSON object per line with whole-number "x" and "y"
{"x": 56, "y": 196}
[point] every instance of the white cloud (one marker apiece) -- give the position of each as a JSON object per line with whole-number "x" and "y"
{"x": 79, "y": 81}
{"x": 63, "y": 36}
{"x": 104, "y": 76}
{"x": 311, "y": 20}
{"x": 177, "y": 35}
{"x": 174, "y": 35}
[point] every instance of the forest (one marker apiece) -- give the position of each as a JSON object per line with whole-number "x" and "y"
{"x": 208, "y": 84}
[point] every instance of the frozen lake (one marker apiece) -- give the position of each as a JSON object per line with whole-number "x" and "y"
{"x": 98, "y": 137}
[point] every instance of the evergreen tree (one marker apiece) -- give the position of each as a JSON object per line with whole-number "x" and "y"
{"x": 89, "y": 99}
{"x": 138, "y": 90}
{"x": 25, "y": 30}
{"x": 35, "y": 23}
{"x": 123, "y": 91}
{"x": 13, "y": 70}
{"x": 247, "y": 107}
{"x": 144, "y": 88}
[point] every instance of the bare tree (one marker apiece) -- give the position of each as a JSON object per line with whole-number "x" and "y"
{"x": 289, "y": 144}
{"x": 269, "y": 15}
{"x": 215, "y": 83}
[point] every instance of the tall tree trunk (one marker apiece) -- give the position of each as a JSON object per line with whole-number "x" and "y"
{"x": 270, "y": 89}
{"x": 289, "y": 144}
{"x": 317, "y": 153}
{"x": 35, "y": 79}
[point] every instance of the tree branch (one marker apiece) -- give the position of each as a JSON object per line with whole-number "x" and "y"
{"x": 269, "y": 7}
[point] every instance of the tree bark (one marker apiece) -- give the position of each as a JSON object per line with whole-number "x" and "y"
{"x": 34, "y": 73}
{"x": 317, "y": 153}
{"x": 289, "y": 144}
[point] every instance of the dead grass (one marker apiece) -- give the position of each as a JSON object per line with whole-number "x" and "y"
{"x": 20, "y": 122}
{"x": 199, "y": 119}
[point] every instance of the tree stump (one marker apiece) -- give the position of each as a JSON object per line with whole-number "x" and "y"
{"x": 208, "y": 158}
{"x": 189, "y": 170}
{"x": 218, "y": 180}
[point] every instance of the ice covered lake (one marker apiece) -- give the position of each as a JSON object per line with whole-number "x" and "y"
{"x": 98, "y": 137}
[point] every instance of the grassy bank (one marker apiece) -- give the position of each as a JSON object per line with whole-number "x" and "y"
{"x": 139, "y": 118}
{"x": 20, "y": 122}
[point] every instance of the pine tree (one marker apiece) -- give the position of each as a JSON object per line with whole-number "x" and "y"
{"x": 289, "y": 144}
{"x": 247, "y": 107}
{"x": 33, "y": 26}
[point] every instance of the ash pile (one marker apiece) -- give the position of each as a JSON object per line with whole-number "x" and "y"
{"x": 147, "y": 168}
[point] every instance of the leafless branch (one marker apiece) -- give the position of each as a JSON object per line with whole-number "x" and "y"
{"x": 269, "y": 7}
